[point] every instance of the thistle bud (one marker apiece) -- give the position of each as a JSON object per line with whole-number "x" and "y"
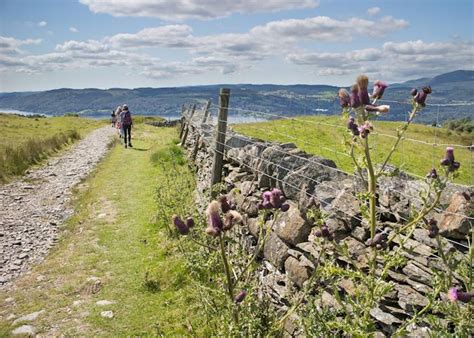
{"x": 379, "y": 88}
{"x": 241, "y": 296}
{"x": 190, "y": 222}
{"x": 182, "y": 228}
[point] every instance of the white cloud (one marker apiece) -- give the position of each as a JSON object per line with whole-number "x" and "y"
{"x": 178, "y": 10}
{"x": 392, "y": 60}
{"x": 164, "y": 36}
{"x": 10, "y": 46}
{"x": 42, "y": 24}
{"x": 73, "y": 29}
{"x": 373, "y": 11}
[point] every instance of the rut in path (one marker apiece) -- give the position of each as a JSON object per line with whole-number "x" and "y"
{"x": 32, "y": 208}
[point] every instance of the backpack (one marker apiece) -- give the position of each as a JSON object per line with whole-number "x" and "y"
{"x": 127, "y": 118}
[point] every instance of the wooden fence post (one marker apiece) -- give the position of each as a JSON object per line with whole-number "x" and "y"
{"x": 183, "y": 114}
{"x": 206, "y": 111}
{"x": 185, "y": 135}
{"x": 218, "y": 163}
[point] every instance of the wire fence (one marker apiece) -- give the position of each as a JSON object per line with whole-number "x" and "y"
{"x": 295, "y": 131}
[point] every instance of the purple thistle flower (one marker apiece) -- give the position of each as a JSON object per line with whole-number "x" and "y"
{"x": 241, "y": 296}
{"x": 365, "y": 129}
{"x": 421, "y": 96}
{"x": 266, "y": 196}
{"x": 352, "y": 126}
{"x": 413, "y": 92}
{"x": 454, "y": 295}
{"x": 183, "y": 229}
{"x": 432, "y": 174}
{"x": 449, "y": 160}
{"x": 344, "y": 98}
{"x": 354, "y": 97}
{"x": 211, "y": 231}
{"x": 190, "y": 222}
{"x": 285, "y": 207}
{"x": 231, "y": 218}
{"x": 215, "y": 221}
{"x": 225, "y": 206}
{"x": 379, "y": 88}
{"x": 325, "y": 231}
{"x": 362, "y": 83}
{"x": 318, "y": 233}
{"x": 275, "y": 198}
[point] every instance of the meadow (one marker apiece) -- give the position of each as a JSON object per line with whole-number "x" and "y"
{"x": 325, "y": 136}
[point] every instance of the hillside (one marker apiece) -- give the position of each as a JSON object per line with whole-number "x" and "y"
{"x": 289, "y": 100}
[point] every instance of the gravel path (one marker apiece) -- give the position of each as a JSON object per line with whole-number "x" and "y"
{"x": 33, "y": 208}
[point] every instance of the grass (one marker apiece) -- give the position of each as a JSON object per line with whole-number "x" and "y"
{"x": 26, "y": 141}
{"x": 310, "y": 134}
{"x": 113, "y": 236}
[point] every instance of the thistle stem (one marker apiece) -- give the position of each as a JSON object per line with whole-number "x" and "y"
{"x": 230, "y": 288}
{"x": 371, "y": 188}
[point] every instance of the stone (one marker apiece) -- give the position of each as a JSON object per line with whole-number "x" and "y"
{"x": 455, "y": 222}
{"x": 297, "y": 271}
{"x": 104, "y": 302}
{"x": 253, "y": 226}
{"x": 347, "y": 207}
{"x": 409, "y": 299}
{"x": 24, "y": 330}
{"x": 417, "y": 274}
{"x": 291, "y": 227}
{"x": 29, "y": 317}
{"x": 384, "y": 317}
{"x": 275, "y": 251}
{"x": 107, "y": 314}
{"x": 360, "y": 233}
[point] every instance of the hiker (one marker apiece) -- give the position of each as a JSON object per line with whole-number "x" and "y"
{"x": 126, "y": 119}
{"x": 113, "y": 118}
{"x": 118, "y": 119}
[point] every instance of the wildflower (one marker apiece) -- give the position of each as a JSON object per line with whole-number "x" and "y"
{"x": 362, "y": 83}
{"x": 421, "y": 96}
{"x": 344, "y": 98}
{"x": 231, "y": 218}
{"x": 454, "y": 295}
{"x": 413, "y": 92}
{"x": 354, "y": 97}
{"x": 352, "y": 126}
{"x": 285, "y": 207}
{"x": 379, "y": 240}
{"x": 241, "y": 296}
{"x": 433, "y": 228}
{"x": 211, "y": 231}
{"x": 213, "y": 207}
{"x": 183, "y": 229}
{"x": 225, "y": 206}
{"x": 449, "y": 160}
{"x": 378, "y": 109}
{"x": 365, "y": 129}
{"x": 215, "y": 221}
{"x": 190, "y": 222}
{"x": 432, "y": 174}
{"x": 324, "y": 232}
{"x": 276, "y": 198}
{"x": 379, "y": 88}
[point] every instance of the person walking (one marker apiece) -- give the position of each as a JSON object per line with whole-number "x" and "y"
{"x": 113, "y": 118}
{"x": 126, "y": 119}
{"x": 118, "y": 118}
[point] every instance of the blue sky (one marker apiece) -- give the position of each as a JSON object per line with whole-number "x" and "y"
{"x": 46, "y": 44}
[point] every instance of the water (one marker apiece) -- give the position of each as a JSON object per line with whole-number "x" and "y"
{"x": 18, "y": 112}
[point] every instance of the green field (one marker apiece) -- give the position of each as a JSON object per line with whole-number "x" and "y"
{"x": 324, "y": 136}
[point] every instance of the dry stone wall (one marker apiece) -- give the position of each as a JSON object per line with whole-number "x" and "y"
{"x": 290, "y": 255}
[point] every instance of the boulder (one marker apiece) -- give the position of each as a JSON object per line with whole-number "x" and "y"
{"x": 455, "y": 222}
{"x": 291, "y": 227}
{"x": 275, "y": 251}
{"x": 297, "y": 270}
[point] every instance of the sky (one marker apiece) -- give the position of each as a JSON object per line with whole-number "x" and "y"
{"x": 48, "y": 44}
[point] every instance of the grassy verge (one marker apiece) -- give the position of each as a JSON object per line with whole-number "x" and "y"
{"x": 114, "y": 238}
{"x": 312, "y": 135}
{"x": 25, "y": 141}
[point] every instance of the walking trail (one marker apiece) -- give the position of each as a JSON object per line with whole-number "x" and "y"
{"x": 33, "y": 208}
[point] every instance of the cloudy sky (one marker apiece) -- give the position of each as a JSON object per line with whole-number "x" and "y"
{"x": 46, "y": 44}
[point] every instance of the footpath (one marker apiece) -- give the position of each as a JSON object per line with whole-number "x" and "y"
{"x": 33, "y": 208}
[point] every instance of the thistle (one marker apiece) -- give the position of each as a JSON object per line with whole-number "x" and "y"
{"x": 454, "y": 295}
{"x": 354, "y": 97}
{"x": 353, "y": 127}
{"x": 344, "y": 98}
{"x": 420, "y": 97}
{"x": 362, "y": 84}
{"x": 183, "y": 229}
{"x": 432, "y": 174}
{"x": 231, "y": 218}
{"x": 241, "y": 296}
{"x": 449, "y": 160}
{"x": 379, "y": 88}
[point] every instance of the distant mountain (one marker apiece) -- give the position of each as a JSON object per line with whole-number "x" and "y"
{"x": 289, "y": 100}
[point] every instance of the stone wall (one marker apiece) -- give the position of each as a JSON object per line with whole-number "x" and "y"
{"x": 289, "y": 254}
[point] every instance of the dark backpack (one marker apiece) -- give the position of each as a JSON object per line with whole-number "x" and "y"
{"x": 127, "y": 118}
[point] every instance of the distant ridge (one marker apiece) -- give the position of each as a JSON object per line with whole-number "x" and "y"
{"x": 288, "y": 100}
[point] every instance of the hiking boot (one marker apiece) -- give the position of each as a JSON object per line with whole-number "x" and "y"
{"x": 130, "y": 145}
